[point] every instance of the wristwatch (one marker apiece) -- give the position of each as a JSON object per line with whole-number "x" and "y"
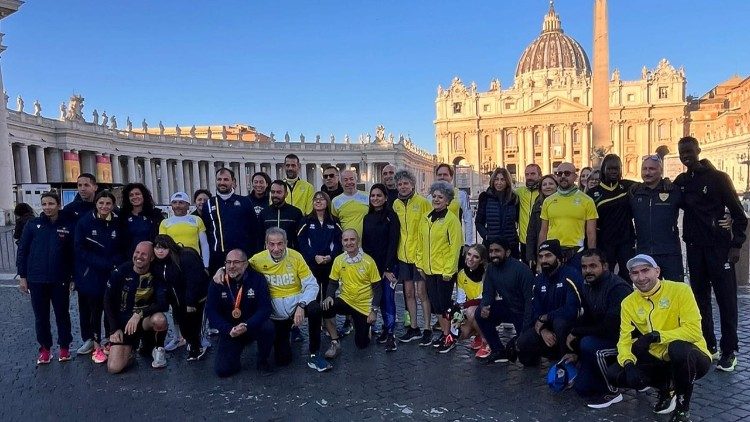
{"x": 302, "y": 305}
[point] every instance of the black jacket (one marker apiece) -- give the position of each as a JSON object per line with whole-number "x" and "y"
{"x": 601, "y": 307}
{"x": 655, "y": 213}
{"x": 286, "y": 217}
{"x": 332, "y": 193}
{"x": 137, "y": 228}
{"x": 381, "y": 231}
{"x": 512, "y": 282}
{"x": 255, "y": 304}
{"x": 532, "y": 231}
{"x": 45, "y": 252}
{"x": 706, "y": 193}
{"x": 558, "y": 295}
{"x": 323, "y": 239}
{"x": 189, "y": 280}
{"x": 126, "y": 292}
{"x": 20, "y": 224}
{"x": 78, "y": 208}
{"x": 99, "y": 249}
{"x": 259, "y": 204}
{"x": 497, "y": 218}
{"x": 615, "y": 223}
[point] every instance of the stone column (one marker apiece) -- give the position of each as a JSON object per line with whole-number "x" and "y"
{"x": 586, "y": 145}
{"x": 164, "y": 181}
{"x": 546, "y": 150}
{"x": 180, "y": 175}
{"x": 148, "y": 174}
{"x": 114, "y": 159}
{"x": 521, "y": 154}
{"x": 24, "y": 164}
{"x": 203, "y": 174}
{"x": 370, "y": 173}
{"x": 318, "y": 175}
{"x": 211, "y": 176}
{"x": 500, "y": 148}
{"x": 132, "y": 174}
{"x": 7, "y": 170}
{"x": 568, "y": 133}
{"x": 600, "y": 76}
{"x": 56, "y": 168}
{"x": 196, "y": 176}
{"x": 41, "y": 165}
{"x": 242, "y": 183}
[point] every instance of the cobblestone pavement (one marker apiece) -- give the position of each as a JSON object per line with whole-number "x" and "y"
{"x": 412, "y": 383}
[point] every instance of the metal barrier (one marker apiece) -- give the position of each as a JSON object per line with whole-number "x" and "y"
{"x": 7, "y": 250}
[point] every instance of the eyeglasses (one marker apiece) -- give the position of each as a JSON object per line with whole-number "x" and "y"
{"x": 565, "y": 173}
{"x": 230, "y": 262}
{"x": 653, "y": 157}
{"x": 319, "y": 198}
{"x": 329, "y": 176}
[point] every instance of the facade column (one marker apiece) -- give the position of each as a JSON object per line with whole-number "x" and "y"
{"x": 203, "y": 174}
{"x": 24, "y": 163}
{"x": 521, "y": 154}
{"x": 196, "y": 175}
{"x": 56, "y": 170}
{"x": 242, "y": 185}
{"x": 41, "y": 165}
{"x": 163, "y": 181}
{"x": 114, "y": 159}
{"x": 568, "y": 133}
{"x": 500, "y": 148}
{"x": 545, "y": 150}
{"x": 180, "y": 175}
{"x": 7, "y": 170}
{"x": 370, "y": 173}
{"x": 318, "y": 175}
{"x": 211, "y": 176}
{"x": 586, "y": 145}
{"x": 132, "y": 175}
{"x": 530, "y": 147}
{"x": 148, "y": 174}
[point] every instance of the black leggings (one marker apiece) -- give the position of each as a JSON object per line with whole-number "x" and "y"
{"x": 361, "y": 327}
{"x": 191, "y": 325}
{"x": 282, "y": 348}
{"x": 90, "y": 311}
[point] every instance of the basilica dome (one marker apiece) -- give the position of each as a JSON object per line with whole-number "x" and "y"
{"x": 554, "y": 50}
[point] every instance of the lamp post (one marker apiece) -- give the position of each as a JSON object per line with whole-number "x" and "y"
{"x": 744, "y": 158}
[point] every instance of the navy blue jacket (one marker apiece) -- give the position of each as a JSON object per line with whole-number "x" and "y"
{"x": 78, "y": 208}
{"x": 189, "y": 280}
{"x": 601, "y": 307}
{"x": 655, "y": 213}
{"x": 496, "y": 218}
{"x": 99, "y": 249}
{"x": 259, "y": 204}
{"x": 286, "y": 217}
{"x": 124, "y": 283}
{"x": 381, "y": 231}
{"x": 45, "y": 252}
{"x": 137, "y": 228}
{"x": 319, "y": 239}
{"x": 232, "y": 224}
{"x": 255, "y": 303}
{"x": 557, "y": 296}
{"x": 511, "y": 282}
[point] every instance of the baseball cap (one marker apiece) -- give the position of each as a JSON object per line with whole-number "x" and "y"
{"x": 180, "y": 196}
{"x": 561, "y": 376}
{"x": 640, "y": 259}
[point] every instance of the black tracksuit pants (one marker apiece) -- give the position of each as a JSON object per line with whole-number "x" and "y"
{"x": 229, "y": 349}
{"x": 57, "y": 294}
{"x": 282, "y": 348}
{"x": 531, "y": 347}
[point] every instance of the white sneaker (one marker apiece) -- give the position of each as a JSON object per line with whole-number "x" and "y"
{"x": 174, "y": 344}
{"x": 86, "y": 348}
{"x": 160, "y": 357}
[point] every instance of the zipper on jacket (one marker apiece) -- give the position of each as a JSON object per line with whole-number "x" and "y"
{"x": 650, "y": 323}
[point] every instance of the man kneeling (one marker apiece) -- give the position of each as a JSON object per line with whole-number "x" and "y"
{"x": 135, "y": 302}
{"x": 240, "y": 308}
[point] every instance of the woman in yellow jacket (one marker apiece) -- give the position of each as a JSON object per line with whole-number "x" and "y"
{"x": 440, "y": 244}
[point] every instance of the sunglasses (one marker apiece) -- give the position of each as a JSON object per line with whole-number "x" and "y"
{"x": 654, "y": 157}
{"x": 565, "y": 173}
{"x": 329, "y": 176}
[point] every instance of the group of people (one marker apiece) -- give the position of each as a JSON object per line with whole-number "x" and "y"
{"x": 555, "y": 262}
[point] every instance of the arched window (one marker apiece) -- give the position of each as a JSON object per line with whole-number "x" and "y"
{"x": 576, "y": 137}
{"x": 556, "y": 138}
{"x": 631, "y": 133}
{"x": 486, "y": 141}
{"x": 537, "y": 139}
{"x": 510, "y": 139}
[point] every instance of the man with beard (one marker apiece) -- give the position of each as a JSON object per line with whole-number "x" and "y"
{"x": 593, "y": 339}
{"x": 388, "y": 175}
{"x": 614, "y": 232}
{"x": 506, "y": 298}
{"x": 661, "y": 344}
{"x": 568, "y": 215}
{"x": 281, "y": 214}
{"x": 555, "y": 306}
{"x": 712, "y": 251}
{"x": 331, "y": 184}
{"x": 231, "y": 222}
{"x": 527, "y": 195}
{"x": 300, "y": 191}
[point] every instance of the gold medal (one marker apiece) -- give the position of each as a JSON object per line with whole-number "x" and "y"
{"x": 236, "y": 313}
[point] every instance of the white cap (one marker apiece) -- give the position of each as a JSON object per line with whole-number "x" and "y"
{"x": 180, "y": 196}
{"x": 640, "y": 259}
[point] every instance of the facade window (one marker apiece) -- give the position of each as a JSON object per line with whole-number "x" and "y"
{"x": 537, "y": 138}
{"x": 486, "y": 108}
{"x": 631, "y": 98}
{"x": 631, "y": 133}
{"x": 458, "y": 143}
{"x": 664, "y": 131}
{"x": 486, "y": 141}
{"x": 456, "y": 108}
{"x": 556, "y": 137}
{"x": 663, "y": 92}
{"x": 510, "y": 140}
{"x": 536, "y": 103}
{"x": 577, "y": 99}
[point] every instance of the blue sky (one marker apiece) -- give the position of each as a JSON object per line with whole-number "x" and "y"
{"x": 330, "y": 66}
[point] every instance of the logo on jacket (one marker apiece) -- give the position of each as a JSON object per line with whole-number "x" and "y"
{"x": 114, "y": 234}
{"x": 237, "y": 203}
{"x": 93, "y": 232}
{"x": 130, "y": 219}
{"x": 664, "y": 303}
{"x": 223, "y": 295}
{"x": 544, "y": 289}
{"x": 250, "y": 293}
{"x": 705, "y": 190}
{"x": 38, "y": 226}
{"x": 577, "y": 201}
{"x": 664, "y": 196}
{"x": 330, "y": 226}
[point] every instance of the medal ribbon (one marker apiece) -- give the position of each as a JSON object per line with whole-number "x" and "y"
{"x": 234, "y": 299}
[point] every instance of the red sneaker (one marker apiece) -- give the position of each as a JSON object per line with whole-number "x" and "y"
{"x": 44, "y": 358}
{"x": 476, "y": 344}
{"x": 64, "y": 355}
{"x": 483, "y": 351}
{"x": 98, "y": 356}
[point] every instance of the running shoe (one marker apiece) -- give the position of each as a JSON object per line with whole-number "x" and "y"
{"x": 196, "y": 354}
{"x": 45, "y": 356}
{"x": 383, "y": 337}
{"x": 477, "y": 343}
{"x": 86, "y": 348}
{"x": 213, "y": 332}
{"x": 448, "y": 344}
{"x": 715, "y": 354}
{"x": 426, "y": 338}
{"x": 605, "y": 400}
{"x": 347, "y": 328}
{"x": 410, "y": 334}
{"x": 727, "y": 362}
{"x": 319, "y": 364}
{"x": 98, "y": 355}
{"x": 64, "y": 355}
{"x": 160, "y": 357}
{"x": 483, "y": 351}
{"x": 510, "y": 350}
{"x": 296, "y": 335}
{"x": 438, "y": 341}
{"x": 390, "y": 343}
{"x": 174, "y": 344}
{"x": 680, "y": 416}
{"x": 666, "y": 403}
{"x": 496, "y": 357}
{"x": 333, "y": 350}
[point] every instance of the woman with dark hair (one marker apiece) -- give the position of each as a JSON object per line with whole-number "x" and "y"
{"x": 139, "y": 217}
{"x": 200, "y": 197}
{"x": 381, "y": 231}
{"x": 319, "y": 240}
{"x": 469, "y": 296}
{"x": 99, "y": 247}
{"x": 497, "y": 211}
{"x": 583, "y": 179}
{"x": 23, "y": 213}
{"x": 45, "y": 264}
{"x": 187, "y": 283}
{"x": 260, "y": 195}
{"x": 547, "y": 186}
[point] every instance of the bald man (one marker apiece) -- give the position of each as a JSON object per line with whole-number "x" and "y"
{"x": 388, "y": 176}
{"x": 352, "y": 205}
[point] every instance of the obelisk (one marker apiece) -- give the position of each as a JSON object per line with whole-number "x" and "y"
{"x": 600, "y": 125}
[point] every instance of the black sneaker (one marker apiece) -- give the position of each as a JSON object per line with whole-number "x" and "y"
{"x": 390, "y": 343}
{"x": 447, "y": 345}
{"x": 680, "y": 416}
{"x": 347, "y": 328}
{"x": 438, "y": 341}
{"x": 426, "y": 338}
{"x": 727, "y": 362}
{"x": 383, "y": 337}
{"x": 496, "y": 357}
{"x": 410, "y": 334}
{"x": 510, "y": 350}
{"x": 666, "y": 403}
{"x": 715, "y": 355}
{"x": 605, "y": 400}
{"x": 264, "y": 369}
{"x": 196, "y": 354}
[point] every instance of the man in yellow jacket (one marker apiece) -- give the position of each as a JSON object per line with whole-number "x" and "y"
{"x": 661, "y": 343}
{"x": 300, "y": 190}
